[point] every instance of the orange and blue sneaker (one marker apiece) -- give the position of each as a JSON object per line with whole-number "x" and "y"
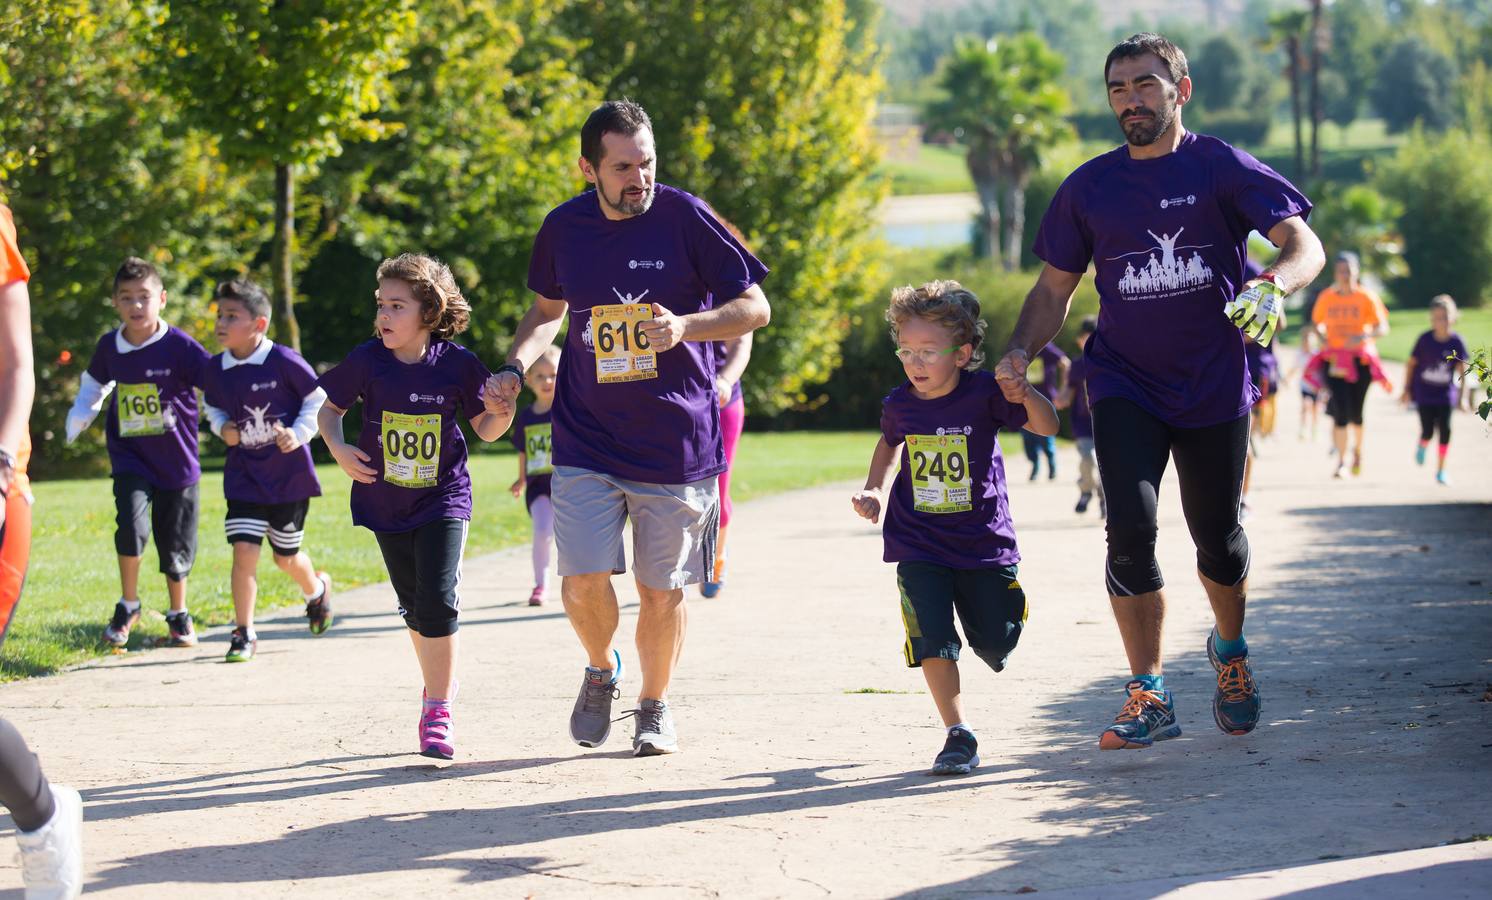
{"x": 1148, "y": 716}
{"x": 1236, "y": 702}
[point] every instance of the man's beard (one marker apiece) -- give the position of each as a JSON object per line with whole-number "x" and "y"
{"x": 624, "y": 206}
{"x": 1146, "y": 131}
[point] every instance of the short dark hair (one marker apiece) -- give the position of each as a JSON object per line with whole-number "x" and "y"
{"x": 244, "y": 291}
{"x": 1089, "y": 325}
{"x": 622, "y": 117}
{"x": 135, "y": 269}
{"x": 1147, "y": 42}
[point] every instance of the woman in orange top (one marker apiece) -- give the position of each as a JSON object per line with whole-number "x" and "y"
{"x": 1349, "y": 317}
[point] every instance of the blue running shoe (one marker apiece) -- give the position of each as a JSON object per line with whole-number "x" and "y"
{"x": 1236, "y": 702}
{"x": 1419, "y": 455}
{"x": 1148, "y": 716}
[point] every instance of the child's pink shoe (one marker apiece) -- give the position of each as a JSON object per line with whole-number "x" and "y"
{"x": 436, "y": 738}
{"x": 537, "y": 597}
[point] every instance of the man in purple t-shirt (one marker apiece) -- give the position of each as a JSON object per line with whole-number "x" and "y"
{"x": 1164, "y": 220}
{"x": 647, "y": 278}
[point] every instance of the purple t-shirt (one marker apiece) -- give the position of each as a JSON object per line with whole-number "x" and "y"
{"x": 533, "y": 436}
{"x": 151, "y": 424}
{"x": 1167, "y": 237}
{"x": 1081, "y": 412}
{"x": 257, "y": 397}
{"x": 1051, "y": 357}
{"x": 1434, "y": 375}
{"x": 948, "y": 504}
{"x": 411, "y": 431}
{"x": 659, "y": 430}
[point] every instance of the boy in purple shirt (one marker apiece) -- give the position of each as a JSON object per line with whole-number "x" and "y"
{"x": 649, "y": 278}
{"x": 1433, "y": 380}
{"x": 1165, "y": 221}
{"x": 1074, "y": 397}
{"x": 261, "y": 398}
{"x": 1054, "y": 366}
{"x": 153, "y": 370}
{"x": 410, "y": 485}
{"x": 533, "y": 438}
{"x": 948, "y": 524}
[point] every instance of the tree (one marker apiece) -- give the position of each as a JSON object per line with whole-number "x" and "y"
{"x": 1444, "y": 187}
{"x": 1319, "y": 39}
{"x": 1357, "y": 33}
{"x": 1415, "y": 84}
{"x": 1285, "y": 32}
{"x": 282, "y": 82}
{"x": 1221, "y": 73}
{"x": 763, "y": 108}
{"x": 1003, "y": 104}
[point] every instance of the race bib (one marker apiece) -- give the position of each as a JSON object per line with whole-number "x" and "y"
{"x": 538, "y": 444}
{"x": 622, "y": 351}
{"x": 411, "y": 449}
{"x": 940, "y": 473}
{"x": 140, "y": 413}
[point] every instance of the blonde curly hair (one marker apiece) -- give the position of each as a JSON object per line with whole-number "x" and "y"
{"x": 946, "y": 303}
{"x": 443, "y": 308}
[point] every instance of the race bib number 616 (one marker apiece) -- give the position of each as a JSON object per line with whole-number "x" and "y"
{"x": 411, "y": 449}
{"x": 940, "y": 473}
{"x": 622, "y": 350}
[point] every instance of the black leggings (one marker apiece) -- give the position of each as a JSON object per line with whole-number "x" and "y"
{"x": 1433, "y": 416}
{"x": 425, "y": 568}
{"x": 1347, "y": 397}
{"x": 1133, "y": 449}
{"x": 23, "y": 788}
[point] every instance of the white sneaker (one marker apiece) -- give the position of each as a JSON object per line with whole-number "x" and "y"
{"x": 52, "y": 855}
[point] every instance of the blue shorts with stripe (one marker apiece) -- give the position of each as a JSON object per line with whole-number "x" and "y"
{"x": 990, "y": 603}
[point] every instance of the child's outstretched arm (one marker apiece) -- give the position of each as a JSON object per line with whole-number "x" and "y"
{"x": 1408, "y": 380}
{"x": 496, "y": 415}
{"x": 867, "y": 502}
{"x": 86, "y": 407}
{"x": 352, "y": 459}
{"x": 1041, "y": 416}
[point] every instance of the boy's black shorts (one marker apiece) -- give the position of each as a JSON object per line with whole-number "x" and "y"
{"x": 990, "y": 603}
{"x": 141, "y": 509}
{"x": 283, "y": 523}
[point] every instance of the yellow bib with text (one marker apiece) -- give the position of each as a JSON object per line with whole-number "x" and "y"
{"x": 411, "y": 449}
{"x": 538, "y": 445}
{"x": 622, "y": 351}
{"x": 940, "y": 473}
{"x": 140, "y": 413}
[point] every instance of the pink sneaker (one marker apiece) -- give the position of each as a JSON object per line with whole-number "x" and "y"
{"x": 537, "y": 597}
{"x": 436, "y": 740}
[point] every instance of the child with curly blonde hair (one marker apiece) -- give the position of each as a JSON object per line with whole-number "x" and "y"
{"x": 948, "y": 526}
{"x": 410, "y": 483}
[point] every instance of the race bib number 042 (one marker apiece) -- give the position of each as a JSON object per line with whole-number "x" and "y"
{"x": 411, "y": 449}
{"x": 622, "y": 350}
{"x": 940, "y": 473}
{"x": 538, "y": 445}
{"x": 140, "y": 413}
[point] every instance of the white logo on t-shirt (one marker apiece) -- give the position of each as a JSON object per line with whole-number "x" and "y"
{"x": 1167, "y": 275}
{"x": 256, "y": 431}
{"x": 645, "y": 264}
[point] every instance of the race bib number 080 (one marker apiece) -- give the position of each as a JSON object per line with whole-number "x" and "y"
{"x": 538, "y": 445}
{"x": 940, "y": 473}
{"x": 411, "y": 449}
{"x": 140, "y": 413}
{"x": 622, "y": 350}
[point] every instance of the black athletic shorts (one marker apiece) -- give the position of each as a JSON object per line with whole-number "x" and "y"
{"x": 424, "y": 565}
{"x": 990, "y": 604}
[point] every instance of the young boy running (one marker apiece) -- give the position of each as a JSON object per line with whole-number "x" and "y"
{"x": 152, "y": 369}
{"x": 533, "y": 436}
{"x": 1075, "y": 397}
{"x": 262, "y": 400}
{"x": 948, "y": 525}
{"x": 1433, "y": 379}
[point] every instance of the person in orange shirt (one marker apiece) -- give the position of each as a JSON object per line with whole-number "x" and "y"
{"x": 48, "y": 817}
{"x": 1348, "y": 317}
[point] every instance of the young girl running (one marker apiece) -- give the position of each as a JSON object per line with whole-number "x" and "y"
{"x": 1433, "y": 381}
{"x": 533, "y": 436}
{"x": 732, "y": 358}
{"x": 948, "y": 526}
{"x": 410, "y": 482}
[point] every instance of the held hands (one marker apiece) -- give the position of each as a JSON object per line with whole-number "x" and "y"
{"x": 285, "y": 439}
{"x": 496, "y": 398}
{"x": 867, "y": 504}
{"x": 664, "y": 331}
{"x": 1010, "y": 374}
{"x": 1257, "y": 310}
{"x": 723, "y": 390}
{"x": 354, "y": 462}
{"x": 230, "y": 435}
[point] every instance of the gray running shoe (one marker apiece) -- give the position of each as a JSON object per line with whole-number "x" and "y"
{"x": 655, "y": 733}
{"x": 590, "y": 721}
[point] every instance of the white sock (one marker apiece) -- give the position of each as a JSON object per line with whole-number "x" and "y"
{"x": 962, "y": 725}
{"x": 171, "y": 614}
{"x": 320, "y": 592}
{"x": 132, "y": 607}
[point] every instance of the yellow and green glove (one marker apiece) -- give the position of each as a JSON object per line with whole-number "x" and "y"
{"x": 1258, "y": 310}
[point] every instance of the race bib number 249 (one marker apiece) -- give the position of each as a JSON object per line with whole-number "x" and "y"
{"x": 940, "y": 473}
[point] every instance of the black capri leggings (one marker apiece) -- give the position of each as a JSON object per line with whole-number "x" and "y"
{"x": 1433, "y": 416}
{"x": 1348, "y": 397}
{"x": 1133, "y": 448}
{"x": 425, "y": 568}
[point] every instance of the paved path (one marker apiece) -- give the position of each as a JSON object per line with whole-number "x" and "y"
{"x": 806, "y": 740}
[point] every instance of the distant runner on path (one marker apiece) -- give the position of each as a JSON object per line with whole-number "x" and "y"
{"x": 1165, "y": 368}
{"x": 649, "y": 279}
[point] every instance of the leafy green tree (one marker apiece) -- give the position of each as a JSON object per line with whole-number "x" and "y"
{"x": 762, "y": 108}
{"x": 1222, "y": 71}
{"x": 1444, "y": 187}
{"x": 1361, "y": 219}
{"x": 1415, "y": 84}
{"x": 1003, "y": 104}
{"x": 1287, "y": 31}
{"x": 282, "y": 83}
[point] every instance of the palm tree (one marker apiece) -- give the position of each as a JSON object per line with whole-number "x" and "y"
{"x": 1285, "y": 31}
{"x": 1002, "y": 101}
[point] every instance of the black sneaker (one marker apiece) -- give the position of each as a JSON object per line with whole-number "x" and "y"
{"x": 182, "y": 632}
{"x": 1083, "y": 500}
{"x": 241, "y": 647}
{"x": 319, "y": 611}
{"x": 117, "y": 633}
{"x": 960, "y": 754}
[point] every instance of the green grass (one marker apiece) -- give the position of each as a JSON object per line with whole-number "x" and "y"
{"x": 936, "y": 170}
{"x": 1406, "y": 325}
{"x": 73, "y": 579}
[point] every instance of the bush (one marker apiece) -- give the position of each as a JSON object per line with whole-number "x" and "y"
{"x": 1241, "y": 128}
